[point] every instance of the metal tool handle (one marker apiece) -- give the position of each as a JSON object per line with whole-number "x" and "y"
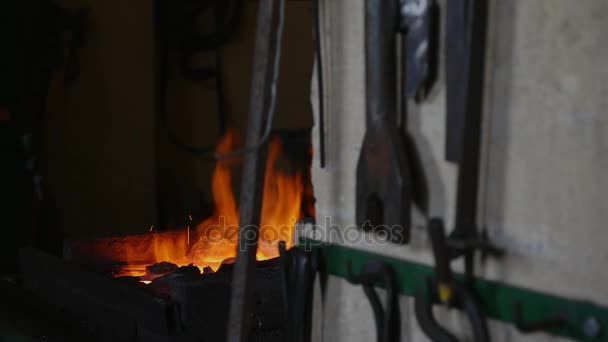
{"x": 261, "y": 108}
{"x": 444, "y": 289}
{"x": 466, "y": 300}
{"x": 387, "y": 319}
{"x": 298, "y": 269}
{"x": 419, "y": 22}
{"x": 471, "y": 307}
{"x": 383, "y": 179}
{"x": 441, "y": 252}
{"x": 380, "y": 61}
{"x": 423, "y": 308}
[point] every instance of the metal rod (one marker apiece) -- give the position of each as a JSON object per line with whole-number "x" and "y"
{"x": 468, "y": 174}
{"x": 261, "y": 106}
{"x": 465, "y": 55}
{"x": 321, "y": 94}
{"x": 380, "y": 61}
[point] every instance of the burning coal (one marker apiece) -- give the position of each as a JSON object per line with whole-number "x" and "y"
{"x": 214, "y": 240}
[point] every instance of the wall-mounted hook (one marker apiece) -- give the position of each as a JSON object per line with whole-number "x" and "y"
{"x": 549, "y": 323}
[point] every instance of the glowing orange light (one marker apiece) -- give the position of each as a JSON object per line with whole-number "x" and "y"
{"x": 215, "y": 239}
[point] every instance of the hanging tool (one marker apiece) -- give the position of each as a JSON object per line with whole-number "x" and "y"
{"x": 388, "y": 319}
{"x": 419, "y": 25}
{"x": 444, "y": 289}
{"x": 419, "y": 33}
{"x": 465, "y": 44}
{"x": 464, "y": 67}
{"x": 298, "y": 268}
{"x": 465, "y": 48}
{"x": 383, "y": 189}
{"x": 316, "y": 12}
{"x": 266, "y": 61}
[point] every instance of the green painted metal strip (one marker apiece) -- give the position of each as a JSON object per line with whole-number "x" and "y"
{"x": 498, "y": 298}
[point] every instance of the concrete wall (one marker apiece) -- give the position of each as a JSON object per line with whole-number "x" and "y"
{"x": 544, "y": 160}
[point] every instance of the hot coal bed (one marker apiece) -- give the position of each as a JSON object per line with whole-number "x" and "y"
{"x": 182, "y": 305}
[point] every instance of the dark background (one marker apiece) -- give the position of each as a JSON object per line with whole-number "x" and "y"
{"x": 88, "y": 157}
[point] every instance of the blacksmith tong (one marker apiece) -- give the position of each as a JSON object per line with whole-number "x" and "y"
{"x": 383, "y": 189}
{"x": 298, "y": 268}
{"x": 388, "y": 318}
{"x": 465, "y": 49}
{"x": 444, "y": 289}
{"x": 465, "y": 55}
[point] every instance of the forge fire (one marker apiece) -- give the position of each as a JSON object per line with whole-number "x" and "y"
{"x": 213, "y": 241}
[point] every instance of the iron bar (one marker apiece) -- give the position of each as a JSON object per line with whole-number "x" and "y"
{"x": 261, "y": 107}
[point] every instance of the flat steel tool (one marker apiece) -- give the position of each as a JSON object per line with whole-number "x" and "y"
{"x": 383, "y": 189}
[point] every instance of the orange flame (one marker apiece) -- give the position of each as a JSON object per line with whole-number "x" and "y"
{"x": 215, "y": 239}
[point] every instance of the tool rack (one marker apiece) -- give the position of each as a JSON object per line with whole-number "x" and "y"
{"x": 581, "y": 320}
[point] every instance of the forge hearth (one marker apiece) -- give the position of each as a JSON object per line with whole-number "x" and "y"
{"x": 183, "y": 305}
{"x": 175, "y": 285}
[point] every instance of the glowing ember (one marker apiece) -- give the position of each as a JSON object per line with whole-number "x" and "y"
{"x": 215, "y": 239}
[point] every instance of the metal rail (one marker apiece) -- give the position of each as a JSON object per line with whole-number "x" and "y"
{"x": 580, "y": 319}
